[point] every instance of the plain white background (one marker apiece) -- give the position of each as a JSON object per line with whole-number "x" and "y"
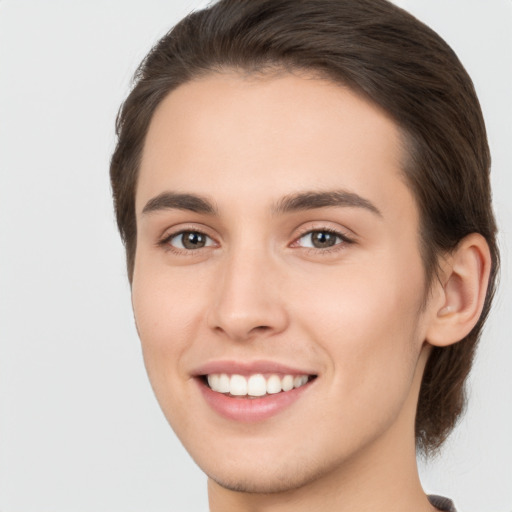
{"x": 80, "y": 430}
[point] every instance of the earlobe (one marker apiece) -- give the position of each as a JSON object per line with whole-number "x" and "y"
{"x": 463, "y": 287}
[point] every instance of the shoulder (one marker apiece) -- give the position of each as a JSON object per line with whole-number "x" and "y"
{"x": 444, "y": 504}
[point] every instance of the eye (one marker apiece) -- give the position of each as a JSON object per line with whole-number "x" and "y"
{"x": 321, "y": 239}
{"x": 189, "y": 240}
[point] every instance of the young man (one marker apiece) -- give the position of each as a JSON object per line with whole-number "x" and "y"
{"x": 303, "y": 192}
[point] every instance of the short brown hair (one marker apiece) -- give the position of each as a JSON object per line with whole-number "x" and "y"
{"x": 393, "y": 60}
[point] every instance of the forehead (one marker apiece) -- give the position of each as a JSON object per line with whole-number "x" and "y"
{"x": 265, "y": 137}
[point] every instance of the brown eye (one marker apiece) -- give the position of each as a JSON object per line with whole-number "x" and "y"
{"x": 320, "y": 239}
{"x": 190, "y": 240}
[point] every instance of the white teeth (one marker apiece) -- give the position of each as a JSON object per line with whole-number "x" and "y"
{"x": 273, "y": 385}
{"x": 238, "y": 385}
{"x": 224, "y": 385}
{"x": 287, "y": 382}
{"x": 255, "y": 385}
{"x": 213, "y": 381}
{"x": 299, "y": 381}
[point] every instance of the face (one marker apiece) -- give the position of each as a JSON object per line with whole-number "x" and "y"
{"x": 278, "y": 284}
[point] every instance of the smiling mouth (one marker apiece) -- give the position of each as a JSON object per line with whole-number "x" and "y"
{"x": 254, "y": 386}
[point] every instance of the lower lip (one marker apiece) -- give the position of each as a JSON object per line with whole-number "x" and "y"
{"x": 251, "y": 410}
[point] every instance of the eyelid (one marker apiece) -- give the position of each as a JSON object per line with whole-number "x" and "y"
{"x": 181, "y": 233}
{"x": 171, "y": 233}
{"x": 175, "y": 231}
{"x": 338, "y": 232}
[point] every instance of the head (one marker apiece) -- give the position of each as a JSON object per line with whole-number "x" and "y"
{"x": 383, "y": 60}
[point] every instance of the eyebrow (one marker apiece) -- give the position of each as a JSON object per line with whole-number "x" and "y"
{"x": 291, "y": 203}
{"x": 311, "y": 200}
{"x": 176, "y": 201}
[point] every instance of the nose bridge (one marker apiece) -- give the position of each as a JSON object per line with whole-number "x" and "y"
{"x": 247, "y": 300}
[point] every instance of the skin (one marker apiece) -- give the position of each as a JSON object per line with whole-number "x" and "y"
{"x": 351, "y": 314}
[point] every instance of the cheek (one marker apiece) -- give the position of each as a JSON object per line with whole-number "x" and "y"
{"x": 166, "y": 316}
{"x": 165, "y": 311}
{"x": 366, "y": 320}
{"x": 363, "y": 300}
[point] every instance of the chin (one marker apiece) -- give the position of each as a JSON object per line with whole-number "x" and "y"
{"x": 262, "y": 484}
{"x": 254, "y": 476}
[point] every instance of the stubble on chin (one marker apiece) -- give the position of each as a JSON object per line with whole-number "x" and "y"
{"x": 287, "y": 480}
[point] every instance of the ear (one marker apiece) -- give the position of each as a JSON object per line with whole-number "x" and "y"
{"x": 459, "y": 296}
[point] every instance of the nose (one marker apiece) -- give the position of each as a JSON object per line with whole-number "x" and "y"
{"x": 248, "y": 300}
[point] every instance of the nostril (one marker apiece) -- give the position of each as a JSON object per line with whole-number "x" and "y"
{"x": 259, "y": 329}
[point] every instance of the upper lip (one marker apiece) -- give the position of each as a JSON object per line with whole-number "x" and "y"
{"x": 249, "y": 368}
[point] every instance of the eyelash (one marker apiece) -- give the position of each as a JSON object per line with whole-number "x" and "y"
{"x": 165, "y": 242}
{"x": 344, "y": 240}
